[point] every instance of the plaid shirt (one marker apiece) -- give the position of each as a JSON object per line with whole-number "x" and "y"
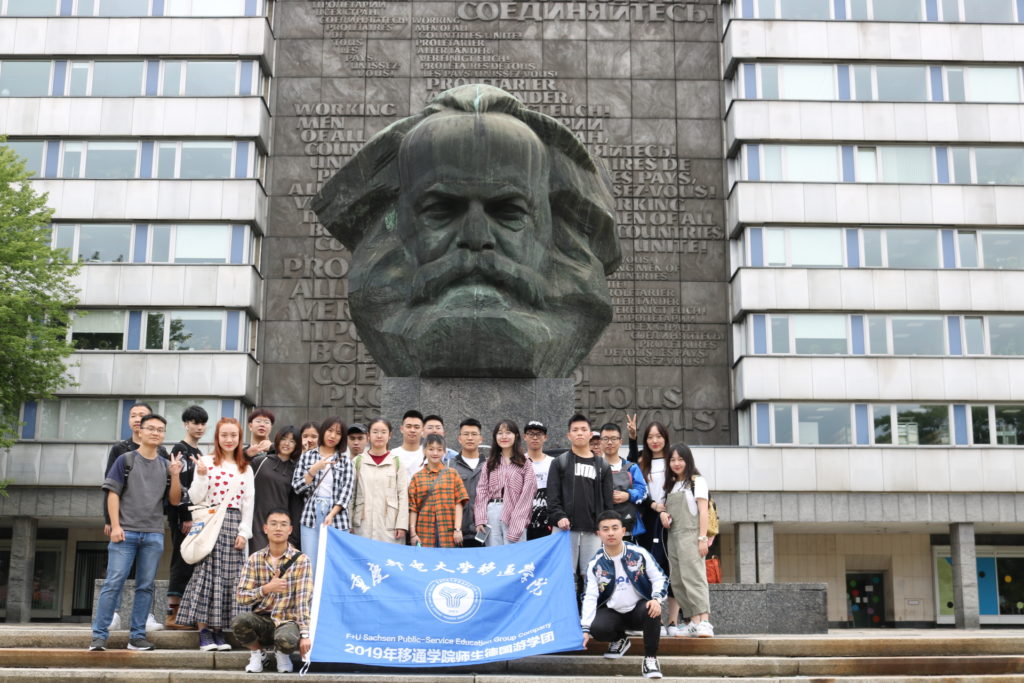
{"x": 341, "y": 490}
{"x": 293, "y": 604}
{"x": 435, "y": 523}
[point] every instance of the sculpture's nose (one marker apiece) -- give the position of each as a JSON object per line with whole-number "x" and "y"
{"x": 475, "y": 232}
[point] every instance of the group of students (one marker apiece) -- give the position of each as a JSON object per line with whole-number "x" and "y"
{"x": 282, "y": 492}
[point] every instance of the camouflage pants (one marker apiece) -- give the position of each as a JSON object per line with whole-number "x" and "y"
{"x": 250, "y": 628}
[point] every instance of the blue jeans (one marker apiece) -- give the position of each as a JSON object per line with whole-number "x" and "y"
{"x": 145, "y": 549}
{"x": 310, "y": 536}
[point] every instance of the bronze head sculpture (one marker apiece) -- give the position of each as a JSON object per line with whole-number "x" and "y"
{"x": 481, "y": 235}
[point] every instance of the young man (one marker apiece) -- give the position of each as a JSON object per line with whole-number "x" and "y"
{"x": 137, "y": 486}
{"x": 467, "y": 465}
{"x": 135, "y": 415}
{"x": 628, "y": 485}
{"x": 535, "y": 434}
{"x": 579, "y": 489}
{"x": 277, "y": 582}
{"x": 355, "y": 439}
{"x": 410, "y": 453}
{"x": 261, "y": 421}
{"x": 595, "y": 443}
{"x": 179, "y": 519}
{"x": 433, "y": 424}
{"x": 624, "y": 590}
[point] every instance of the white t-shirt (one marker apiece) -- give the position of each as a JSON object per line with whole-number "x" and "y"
{"x": 470, "y": 462}
{"x": 625, "y": 596}
{"x": 412, "y": 461}
{"x": 700, "y": 490}
{"x": 325, "y": 489}
{"x": 656, "y": 483}
{"x": 541, "y": 469}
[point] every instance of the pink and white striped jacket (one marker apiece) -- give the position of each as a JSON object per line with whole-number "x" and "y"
{"x": 515, "y": 485}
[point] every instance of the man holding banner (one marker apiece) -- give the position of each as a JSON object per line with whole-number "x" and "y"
{"x": 624, "y": 590}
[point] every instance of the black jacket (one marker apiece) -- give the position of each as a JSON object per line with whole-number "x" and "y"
{"x": 561, "y": 491}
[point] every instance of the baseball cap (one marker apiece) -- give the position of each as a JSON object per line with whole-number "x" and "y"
{"x": 535, "y": 424}
{"x": 356, "y": 428}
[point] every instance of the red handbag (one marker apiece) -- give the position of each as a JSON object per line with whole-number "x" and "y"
{"x": 714, "y": 570}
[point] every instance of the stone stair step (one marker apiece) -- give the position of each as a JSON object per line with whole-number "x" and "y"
{"x": 892, "y": 644}
{"x": 546, "y": 665}
{"x": 192, "y": 675}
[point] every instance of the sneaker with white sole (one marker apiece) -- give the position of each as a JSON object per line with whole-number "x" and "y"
{"x": 704, "y": 630}
{"x": 674, "y": 631}
{"x": 618, "y": 648}
{"x": 664, "y": 631}
{"x": 284, "y": 663}
{"x": 650, "y": 668}
{"x": 222, "y": 644}
{"x": 255, "y": 665}
{"x": 152, "y": 624}
{"x": 140, "y": 644}
{"x": 634, "y": 632}
{"x": 98, "y": 645}
{"x": 206, "y": 641}
{"x": 115, "y": 623}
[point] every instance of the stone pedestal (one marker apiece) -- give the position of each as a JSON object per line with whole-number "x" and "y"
{"x": 159, "y": 609}
{"x": 785, "y": 608}
{"x": 966, "y": 610}
{"x": 488, "y": 400}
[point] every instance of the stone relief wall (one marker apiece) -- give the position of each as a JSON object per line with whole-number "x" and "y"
{"x": 638, "y": 83}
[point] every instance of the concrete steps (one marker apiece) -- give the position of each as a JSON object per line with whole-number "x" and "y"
{"x": 39, "y": 653}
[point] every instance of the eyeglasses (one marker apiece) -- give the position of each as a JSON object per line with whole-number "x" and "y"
{"x": 155, "y": 430}
{"x": 279, "y": 525}
{"x": 610, "y": 439}
{"x": 262, "y": 421}
{"x": 505, "y": 432}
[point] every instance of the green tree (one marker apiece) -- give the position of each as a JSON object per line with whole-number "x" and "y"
{"x": 36, "y": 297}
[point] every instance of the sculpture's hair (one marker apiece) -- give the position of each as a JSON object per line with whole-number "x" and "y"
{"x": 362, "y": 196}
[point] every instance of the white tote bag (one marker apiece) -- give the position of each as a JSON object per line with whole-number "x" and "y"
{"x": 206, "y": 523}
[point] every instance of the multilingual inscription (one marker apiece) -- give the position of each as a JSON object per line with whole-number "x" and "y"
{"x": 386, "y": 59}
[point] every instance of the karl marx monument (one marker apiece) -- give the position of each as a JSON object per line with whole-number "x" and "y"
{"x": 482, "y": 233}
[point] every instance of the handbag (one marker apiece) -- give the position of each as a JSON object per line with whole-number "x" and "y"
{"x": 714, "y": 570}
{"x": 206, "y": 524}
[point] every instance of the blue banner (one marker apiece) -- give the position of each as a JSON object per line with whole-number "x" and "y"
{"x": 393, "y": 605}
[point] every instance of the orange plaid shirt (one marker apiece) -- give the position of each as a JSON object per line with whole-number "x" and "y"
{"x": 435, "y": 522}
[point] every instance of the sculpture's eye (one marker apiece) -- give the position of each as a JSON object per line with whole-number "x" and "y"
{"x": 441, "y": 208}
{"x": 510, "y": 210}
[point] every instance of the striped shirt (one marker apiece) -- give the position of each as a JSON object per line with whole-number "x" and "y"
{"x": 513, "y": 484}
{"x": 293, "y": 604}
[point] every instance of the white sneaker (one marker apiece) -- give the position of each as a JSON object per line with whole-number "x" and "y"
{"x": 255, "y": 664}
{"x": 284, "y": 663}
{"x": 115, "y": 623}
{"x": 664, "y": 631}
{"x": 704, "y": 630}
{"x": 674, "y": 631}
{"x": 152, "y": 624}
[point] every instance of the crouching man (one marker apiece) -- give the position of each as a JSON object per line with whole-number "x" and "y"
{"x": 277, "y": 583}
{"x": 624, "y": 590}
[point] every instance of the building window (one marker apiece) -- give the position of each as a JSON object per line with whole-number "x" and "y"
{"x": 106, "y": 79}
{"x": 31, "y": 151}
{"x": 901, "y": 83}
{"x": 98, "y": 330}
{"x": 160, "y": 243}
{"x": 195, "y": 160}
{"x": 102, "y": 420}
{"x": 31, "y": 8}
{"x": 1003, "y": 250}
{"x": 809, "y": 334}
{"x": 922, "y": 425}
{"x": 208, "y": 8}
{"x": 801, "y": 163}
{"x": 24, "y": 79}
{"x": 988, "y": 11}
{"x": 918, "y": 335}
{"x": 1006, "y": 335}
{"x": 999, "y": 166}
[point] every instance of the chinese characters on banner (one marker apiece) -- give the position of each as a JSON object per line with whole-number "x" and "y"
{"x": 389, "y": 605}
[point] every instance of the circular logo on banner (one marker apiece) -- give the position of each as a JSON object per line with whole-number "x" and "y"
{"x": 452, "y": 600}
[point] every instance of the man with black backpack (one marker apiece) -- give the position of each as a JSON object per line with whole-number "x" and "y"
{"x": 579, "y": 489}
{"x": 277, "y": 582}
{"x": 137, "y": 485}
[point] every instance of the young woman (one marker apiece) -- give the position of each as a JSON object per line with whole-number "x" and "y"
{"x": 209, "y": 600}
{"x": 325, "y": 479}
{"x": 272, "y": 480}
{"x": 652, "y": 460}
{"x": 382, "y": 489}
{"x": 310, "y": 433}
{"x": 436, "y": 497}
{"x": 504, "y": 493}
{"x": 685, "y": 515}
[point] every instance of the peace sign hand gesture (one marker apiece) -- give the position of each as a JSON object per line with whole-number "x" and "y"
{"x": 631, "y": 425}
{"x": 176, "y": 464}
{"x": 200, "y": 467}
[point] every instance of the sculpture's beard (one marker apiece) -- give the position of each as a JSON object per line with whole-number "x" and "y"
{"x": 465, "y": 268}
{"x": 476, "y": 314}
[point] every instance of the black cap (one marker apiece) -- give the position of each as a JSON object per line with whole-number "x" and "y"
{"x": 535, "y": 424}
{"x": 356, "y": 428}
